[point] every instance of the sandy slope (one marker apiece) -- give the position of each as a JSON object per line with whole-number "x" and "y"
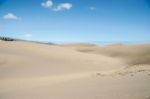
{"x": 38, "y": 71}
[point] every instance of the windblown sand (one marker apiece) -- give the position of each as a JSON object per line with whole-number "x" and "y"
{"x": 75, "y": 71}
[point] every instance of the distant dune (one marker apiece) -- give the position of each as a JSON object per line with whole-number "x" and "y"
{"x": 30, "y": 70}
{"x": 132, "y": 54}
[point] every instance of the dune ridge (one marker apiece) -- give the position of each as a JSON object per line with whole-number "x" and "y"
{"x": 30, "y": 70}
{"x": 132, "y": 54}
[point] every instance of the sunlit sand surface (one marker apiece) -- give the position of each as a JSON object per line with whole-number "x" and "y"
{"x": 74, "y": 71}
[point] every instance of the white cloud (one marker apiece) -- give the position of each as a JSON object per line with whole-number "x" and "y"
{"x": 28, "y": 35}
{"x": 47, "y": 4}
{"x": 92, "y": 8}
{"x": 11, "y": 16}
{"x": 63, "y": 6}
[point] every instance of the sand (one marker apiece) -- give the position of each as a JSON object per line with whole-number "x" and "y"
{"x": 76, "y": 71}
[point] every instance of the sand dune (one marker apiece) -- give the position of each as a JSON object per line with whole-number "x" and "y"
{"x": 36, "y": 71}
{"x": 132, "y": 54}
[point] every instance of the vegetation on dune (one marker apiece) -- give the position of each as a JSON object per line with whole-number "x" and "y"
{"x": 6, "y": 39}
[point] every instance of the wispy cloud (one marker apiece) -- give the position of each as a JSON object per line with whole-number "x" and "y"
{"x": 28, "y": 35}
{"x": 62, "y": 6}
{"x": 47, "y": 4}
{"x": 11, "y": 16}
{"x": 92, "y": 8}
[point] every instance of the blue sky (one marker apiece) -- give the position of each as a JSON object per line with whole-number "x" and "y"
{"x": 76, "y": 20}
